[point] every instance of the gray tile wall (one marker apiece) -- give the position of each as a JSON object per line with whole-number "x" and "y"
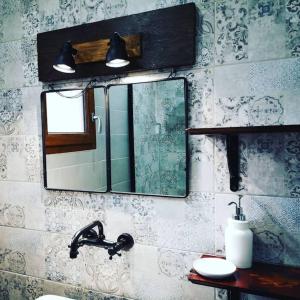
{"x": 247, "y": 73}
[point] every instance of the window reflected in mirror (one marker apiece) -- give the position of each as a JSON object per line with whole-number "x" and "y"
{"x": 70, "y": 115}
{"x": 74, "y": 139}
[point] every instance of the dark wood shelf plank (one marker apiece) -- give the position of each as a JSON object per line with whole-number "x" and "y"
{"x": 236, "y": 130}
{"x": 278, "y": 281}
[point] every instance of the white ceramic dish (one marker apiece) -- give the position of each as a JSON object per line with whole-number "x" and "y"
{"x": 214, "y": 267}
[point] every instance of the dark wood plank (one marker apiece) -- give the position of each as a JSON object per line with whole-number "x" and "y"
{"x": 166, "y": 42}
{"x": 236, "y": 130}
{"x": 95, "y": 51}
{"x": 278, "y": 281}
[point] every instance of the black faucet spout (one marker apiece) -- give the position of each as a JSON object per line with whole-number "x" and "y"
{"x": 86, "y": 232}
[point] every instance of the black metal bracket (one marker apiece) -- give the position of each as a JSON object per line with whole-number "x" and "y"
{"x": 233, "y": 160}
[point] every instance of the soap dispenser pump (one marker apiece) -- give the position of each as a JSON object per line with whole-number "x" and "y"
{"x": 239, "y": 239}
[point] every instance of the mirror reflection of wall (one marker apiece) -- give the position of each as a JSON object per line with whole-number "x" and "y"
{"x": 74, "y": 140}
{"x": 148, "y": 139}
{"x": 120, "y": 139}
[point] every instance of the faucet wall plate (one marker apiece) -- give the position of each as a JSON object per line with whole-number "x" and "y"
{"x": 127, "y": 239}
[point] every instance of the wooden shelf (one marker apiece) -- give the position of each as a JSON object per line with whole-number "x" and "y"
{"x": 238, "y": 130}
{"x": 281, "y": 282}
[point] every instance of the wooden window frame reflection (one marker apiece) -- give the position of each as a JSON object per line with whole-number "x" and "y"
{"x": 71, "y": 142}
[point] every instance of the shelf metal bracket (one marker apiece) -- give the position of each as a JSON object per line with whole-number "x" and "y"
{"x": 233, "y": 160}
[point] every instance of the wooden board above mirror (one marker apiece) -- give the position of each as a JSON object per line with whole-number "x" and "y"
{"x": 165, "y": 42}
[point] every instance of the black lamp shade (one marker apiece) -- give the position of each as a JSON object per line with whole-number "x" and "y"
{"x": 64, "y": 62}
{"x": 117, "y": 56}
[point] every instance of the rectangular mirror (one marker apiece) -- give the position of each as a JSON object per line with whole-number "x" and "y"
{"x": 148, "y": 138}
{"x": 74, "y": 140}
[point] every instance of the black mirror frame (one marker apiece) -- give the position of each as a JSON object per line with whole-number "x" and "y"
{"x": 108, "y": 142}
{"x": 186, "y": 138}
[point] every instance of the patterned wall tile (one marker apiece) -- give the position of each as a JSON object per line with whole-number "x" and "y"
{"x": 262, "y": 93}
{"x": 11, "y": 111}
{"x": 109, "y": 276}
{"x": 164, "y": 275}
{"x": 292, "y": 163}
{"x": 159, "y": 223}
{"x": 11, "y": 13}
{"x": 205, "y": 33}
{"x": 20, "y": 158}
{"x": 22, "y": 251}
{"x": 176, "y": 222}
{"x": 70, "y": 220}
{"x": 143, "y": 217}
{"x": 256, "y": 30}
{"x": 21, "y": 207}
{"x": 29, "y": 60}
{"x": 231, "y": 39}
{"x": 135, "y": 7}
{"x": 97, "y": 10}
{"x": 58, "y": 265}
{"x": 19, "y": 287}
{"x": 19, "y": 112}
{"x": 31, "y": 111}
{"x": 292, "y": 27}
{"x": 115, "y": 8}
{"x": 264, "y": 155}
{"x": 267, "y": 29}
{"x": 92, "y": 11}
{"x": 58, "y": 14}
{"x": 13, "y": 261}
{"x": 274, "y": 221}
{"x": 200, "y": 100}
{"x": 11, "y": 65}
{"x": 202, "y": 163}
{"x": 30, "y": 18}
{"x": 73, "y": 200}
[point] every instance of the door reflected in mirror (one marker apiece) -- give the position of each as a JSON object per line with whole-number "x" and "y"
{"x": 74, "y": 140}
{"x": 148, "y": 138}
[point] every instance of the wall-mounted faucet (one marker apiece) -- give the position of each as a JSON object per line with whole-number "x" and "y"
{"x": 90, "y": 237}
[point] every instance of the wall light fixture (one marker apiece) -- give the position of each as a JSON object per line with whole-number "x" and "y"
{"x": 65, "y": 62}
{"x": 115, "y": 52}
{"x": 117, "y": 56}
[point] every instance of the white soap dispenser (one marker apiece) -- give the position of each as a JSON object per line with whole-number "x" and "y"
{"x": 238, "y": 239}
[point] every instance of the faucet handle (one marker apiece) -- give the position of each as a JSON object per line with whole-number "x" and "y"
{"x": 124, "y": 242}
